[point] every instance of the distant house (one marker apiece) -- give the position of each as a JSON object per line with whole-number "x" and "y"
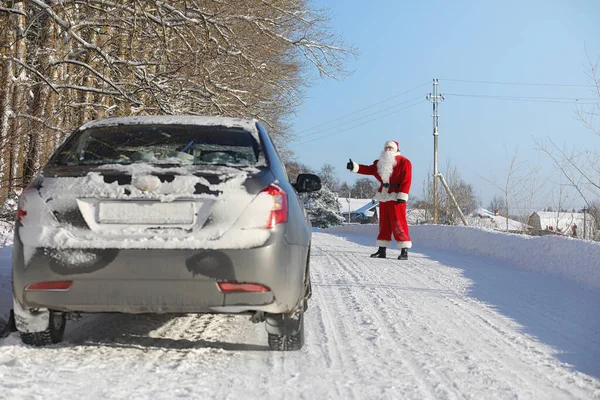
{"x": 486, "y": 219}
{"x": 361, "y": 210}
{"x": 564, "y": 223}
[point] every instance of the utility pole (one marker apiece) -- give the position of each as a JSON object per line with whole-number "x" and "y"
{"x": 584, "y": 221}
{"x": 349, "y": 210}
{"x": 435, "y": 98}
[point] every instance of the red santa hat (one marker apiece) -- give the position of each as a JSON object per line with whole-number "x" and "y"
{"x": 393, "y": 144}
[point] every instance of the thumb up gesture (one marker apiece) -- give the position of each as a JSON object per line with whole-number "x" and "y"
{"x": 350, "y": 165}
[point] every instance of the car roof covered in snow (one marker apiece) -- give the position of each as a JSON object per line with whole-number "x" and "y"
{"x": 246, "y": 124}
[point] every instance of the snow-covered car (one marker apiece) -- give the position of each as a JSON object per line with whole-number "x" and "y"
{"x": 163, "y": 215}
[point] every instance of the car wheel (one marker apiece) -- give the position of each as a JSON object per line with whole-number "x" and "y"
{"x": 54, "y": 333}
{"x": 292, "y": 340}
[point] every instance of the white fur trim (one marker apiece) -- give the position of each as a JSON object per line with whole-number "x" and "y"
{"x": 403, "y": 196}
{"x": 385, "y": 196}
{"x": 383, "y": 243}
{"x": 391, "y": 144}
{"x": 385, "y": 165}
{"x": 404, "y": 245}
{"x": 354, "y": 167}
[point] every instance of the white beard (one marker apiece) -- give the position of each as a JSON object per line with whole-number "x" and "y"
{"x": 385, "y": 165}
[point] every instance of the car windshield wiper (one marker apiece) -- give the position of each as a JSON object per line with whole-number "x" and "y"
{"x": 187, "y": 146}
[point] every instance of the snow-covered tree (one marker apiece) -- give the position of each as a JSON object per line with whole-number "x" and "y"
{"x": 65, "y": 63}
{"x": 323, "y": 208}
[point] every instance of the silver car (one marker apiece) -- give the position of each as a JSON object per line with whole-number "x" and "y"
{"x": 163, "y": 215}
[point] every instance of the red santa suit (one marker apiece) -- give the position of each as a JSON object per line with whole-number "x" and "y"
{"x": 394, "y": 172}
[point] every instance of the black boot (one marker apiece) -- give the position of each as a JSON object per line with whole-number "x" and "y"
{"x": 403, "y": 254}
{"x": 379, "y": 254}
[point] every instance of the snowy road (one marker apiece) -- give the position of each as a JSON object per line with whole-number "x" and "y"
{"x": 439, "y": 326}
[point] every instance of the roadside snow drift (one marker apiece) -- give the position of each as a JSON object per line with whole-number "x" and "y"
{"x": 574, "y": 259}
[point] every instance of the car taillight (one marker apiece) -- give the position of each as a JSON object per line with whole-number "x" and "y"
{"x": 242, "y": 287}
{"x": 56, "y": 285}
{"x": 279, "y": 212}
{"x": 22, "y": 203}
{"x": 21, "y": 213}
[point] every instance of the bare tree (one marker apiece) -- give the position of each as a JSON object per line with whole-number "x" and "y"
{"x": 581, "y": 168}
{"x": 364, "y": 188}
{"x": 294, "y": 168}
{"x": 64, "y": 63}
{"x": 498, "y": 204}
{"x": 344, "y": 190}
{"x": 464, "y": 194}
{"x": 562, "y": 202}
{"x": 594, "y": 227}
{"x": 328, "y": 177}
{"x": 515, "y": 186}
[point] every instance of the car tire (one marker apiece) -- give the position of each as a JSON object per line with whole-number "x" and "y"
{"x": 288, "y": 342}
{"x": 54, "y": 333}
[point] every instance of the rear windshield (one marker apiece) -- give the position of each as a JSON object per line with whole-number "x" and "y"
{"x": 160, "y": 144}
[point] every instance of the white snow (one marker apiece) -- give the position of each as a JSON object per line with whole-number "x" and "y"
{"x": 143, "y": 212}
{"x": 40, "y": 228}
{"x": 74, "y": 258}
{"x": 569, "y": 258}
{"x": 483, "y": 218}
{"x": 246, "y": 124}
{"x": 457, "y": 320}
{"x": 563, "y": 222}
{"x": 144, "y": 168}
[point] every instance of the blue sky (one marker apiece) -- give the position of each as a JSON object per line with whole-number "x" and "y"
{"x": 404, "y": 44}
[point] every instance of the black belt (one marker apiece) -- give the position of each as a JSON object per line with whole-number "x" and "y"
{"x": 390, "y": 185}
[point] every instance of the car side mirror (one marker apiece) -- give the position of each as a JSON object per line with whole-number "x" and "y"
{"x": 307, "y": 183}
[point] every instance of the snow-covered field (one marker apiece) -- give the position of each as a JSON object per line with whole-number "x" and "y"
{"x": 469, "y": 315}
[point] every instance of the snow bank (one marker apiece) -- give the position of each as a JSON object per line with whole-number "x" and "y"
{"x": 573, "y": 259}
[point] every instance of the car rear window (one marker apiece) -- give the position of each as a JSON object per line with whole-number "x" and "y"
{"x": 160, "y": 144}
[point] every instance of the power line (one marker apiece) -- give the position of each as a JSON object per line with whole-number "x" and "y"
{"x": 363, "y": 123}
{"x": 363, "y": 109}
{"x": 569, "y": 100}
{"x": 360, "y": 118}
{"x": 517, "y": 83}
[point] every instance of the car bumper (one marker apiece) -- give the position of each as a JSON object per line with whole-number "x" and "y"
{"x": 161, "y": 280}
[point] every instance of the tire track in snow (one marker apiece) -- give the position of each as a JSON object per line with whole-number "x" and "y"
{"x": 484, "y": 354}
{"x": 443, "y": 385}
{"x": 363, "y": 301}
{"x": 358, "y": 318}
{"x": 329, "y": 328}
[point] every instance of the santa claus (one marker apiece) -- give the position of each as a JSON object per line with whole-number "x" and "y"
{"x": 394, "y": 172}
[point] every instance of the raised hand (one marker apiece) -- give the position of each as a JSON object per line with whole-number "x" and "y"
{"x": 350, "y": 165}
